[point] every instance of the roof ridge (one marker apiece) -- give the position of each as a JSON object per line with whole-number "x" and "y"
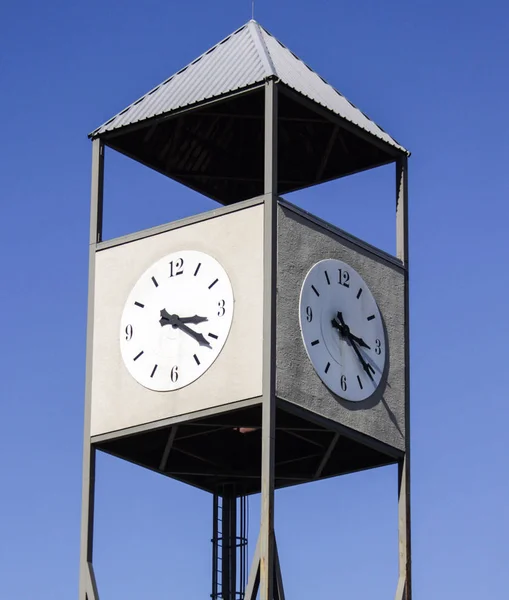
{"x": 263, "y": 51}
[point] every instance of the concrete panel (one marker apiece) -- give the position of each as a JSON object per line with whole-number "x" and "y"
{"x": 303, "y": 241}
{"x": 235, "y": 239}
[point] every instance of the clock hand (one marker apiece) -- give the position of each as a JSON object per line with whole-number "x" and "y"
{"x": 346, "y": 331}
{"x": 194, "y": 334}
{"x": 365, "y": 365}
{"x": 194, "y": 320}
{"x": 174, "y": 320}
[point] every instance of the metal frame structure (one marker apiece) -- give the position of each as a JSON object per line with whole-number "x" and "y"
{"x": 265, "y": 575}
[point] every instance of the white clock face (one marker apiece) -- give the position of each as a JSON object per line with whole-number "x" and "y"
{"x": 342, "y": 330}
{"x": 176, "y": 320}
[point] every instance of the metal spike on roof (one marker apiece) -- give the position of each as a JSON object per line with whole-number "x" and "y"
{"x": 247, "y": 57}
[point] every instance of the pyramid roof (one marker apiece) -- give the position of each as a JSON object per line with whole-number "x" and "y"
{"x": 244, "y": 59}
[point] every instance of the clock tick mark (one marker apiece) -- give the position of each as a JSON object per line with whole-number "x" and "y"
{"x": 196, "y": 359}
{"x": 213, "y": 284}
{"x": 371, "y": 317}
{"x": 139, "y": 304}
{"x": 327, "y": 367}
{"x": 138, "y": 355}
{"x": 213, "y": 336}
{"x": 315, "y": 342}
{"x": 315, "y": 290}
{"x": 153, "y": 371}
{"x": 360, "y": 382}
{"x": 359, "y": 293}
{"x": 197, "y": 269}
{"x": 327, "y": 278}
{"x": 154, "y": 281}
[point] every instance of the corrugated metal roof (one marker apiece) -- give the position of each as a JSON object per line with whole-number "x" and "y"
{"x": 248, "y": 56}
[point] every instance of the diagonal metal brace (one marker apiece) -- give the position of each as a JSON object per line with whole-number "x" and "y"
{"x": 278, "y": 579}
{"x": 91, "y": 593}
{"x": 168, "y": 447}
{"x": 253, "y": 583}
{"x": 254, "y": 575}
{"x": 401, "y": 589}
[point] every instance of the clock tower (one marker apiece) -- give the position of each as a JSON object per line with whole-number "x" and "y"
{"x": 204, "y": 333}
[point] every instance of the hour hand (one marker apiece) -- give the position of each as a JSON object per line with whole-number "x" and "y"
{"x": 195, "y": 320}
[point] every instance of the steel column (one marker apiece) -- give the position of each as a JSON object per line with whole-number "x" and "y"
{"x": 404, "y": 589}
{"x": 229, "y": 543}
{"x": 87, "y": 586}
{"x": 269, "y": 343}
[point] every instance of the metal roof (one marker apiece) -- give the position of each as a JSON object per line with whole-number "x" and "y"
{"x": 247, "y": 57}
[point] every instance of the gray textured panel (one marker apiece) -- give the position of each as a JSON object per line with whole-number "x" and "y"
{"x": 302, "y": 243}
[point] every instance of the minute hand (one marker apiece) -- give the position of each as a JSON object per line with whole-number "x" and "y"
{"x": 366, "y": 366}
{"x": 194, "y": 334}
{"x": 349, "y": 334}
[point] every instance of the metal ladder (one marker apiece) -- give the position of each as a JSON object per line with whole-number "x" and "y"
{"x": 229, "y": 544}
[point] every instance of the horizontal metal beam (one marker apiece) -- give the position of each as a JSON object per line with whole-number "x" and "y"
{"x": 260, "y": 117}
{"x": 257, "y": 426}
{"x": 221, "y": 475}
{"x": 220, "y": 177}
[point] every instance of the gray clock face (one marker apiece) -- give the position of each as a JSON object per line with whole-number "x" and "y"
{"x": 176, "y": 320}
{"x": 342, "y": 330}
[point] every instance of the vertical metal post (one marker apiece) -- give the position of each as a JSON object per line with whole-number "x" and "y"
{"x": 229, "y": 543}
{"x": 269, "y": 343}
{"x": 404, "y": 590}
{"x": 87, "y": 589}
{"x": 215, "y": 546}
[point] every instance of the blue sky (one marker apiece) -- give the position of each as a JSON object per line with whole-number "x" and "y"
{"x": 434, "y": 75}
